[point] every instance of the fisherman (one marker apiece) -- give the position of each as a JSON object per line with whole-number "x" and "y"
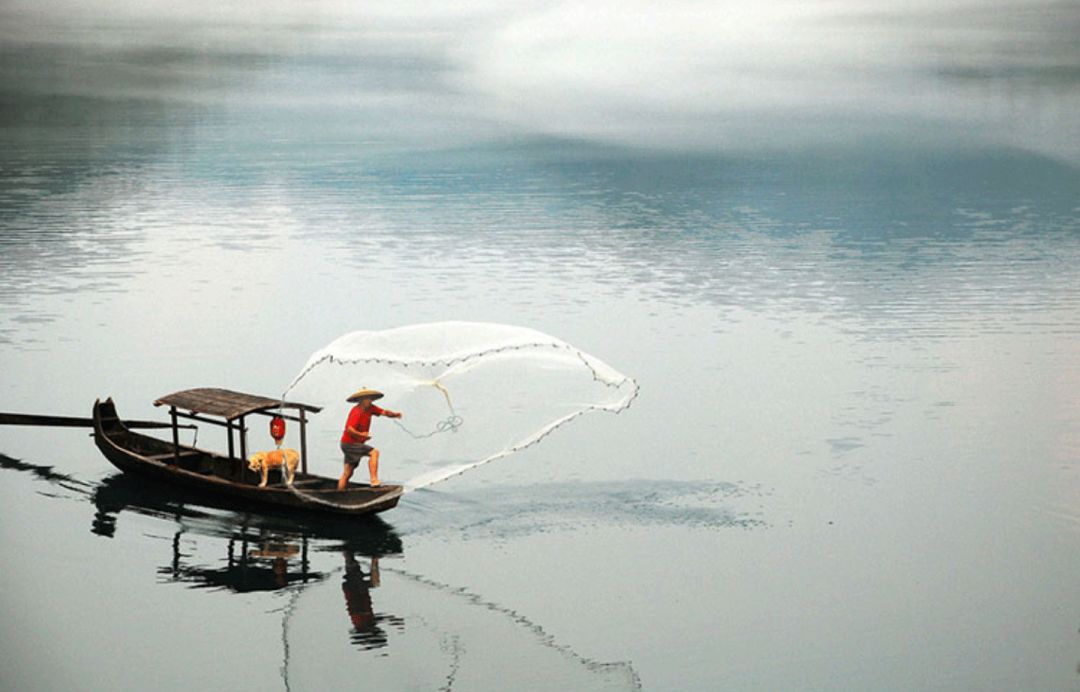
{"x": 354, "y": 441}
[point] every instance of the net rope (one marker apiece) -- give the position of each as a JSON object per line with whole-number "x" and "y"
{"x": 449, "y": 424}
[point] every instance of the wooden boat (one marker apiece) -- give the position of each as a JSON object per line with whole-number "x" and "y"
{"x": 227, "y": 475}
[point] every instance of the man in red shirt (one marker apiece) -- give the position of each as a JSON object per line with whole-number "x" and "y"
{"x": 354, "y": 440}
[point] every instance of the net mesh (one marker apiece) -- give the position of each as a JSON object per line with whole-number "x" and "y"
{"x": 470, "y": 393}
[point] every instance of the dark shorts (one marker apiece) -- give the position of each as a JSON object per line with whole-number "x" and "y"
{"x": 355, "y": 452}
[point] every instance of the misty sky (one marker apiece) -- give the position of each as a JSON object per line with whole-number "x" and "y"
{"x": 708, "y": 76}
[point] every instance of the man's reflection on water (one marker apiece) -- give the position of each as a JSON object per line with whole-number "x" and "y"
{"x": 367, "y": 632}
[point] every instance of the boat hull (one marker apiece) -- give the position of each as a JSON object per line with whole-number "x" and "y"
{"x": 225, "y": 478}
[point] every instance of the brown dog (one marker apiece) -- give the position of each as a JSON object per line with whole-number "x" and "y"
{"x": 264, "y": 461}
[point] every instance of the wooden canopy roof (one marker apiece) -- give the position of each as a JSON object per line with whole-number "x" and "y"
{"x": 225, "y": 403}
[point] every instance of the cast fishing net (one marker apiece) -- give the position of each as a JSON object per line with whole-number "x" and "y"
{"x": 470, "y": 393}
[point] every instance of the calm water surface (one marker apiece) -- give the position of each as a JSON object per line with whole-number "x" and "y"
{"x": 854, "y": 462}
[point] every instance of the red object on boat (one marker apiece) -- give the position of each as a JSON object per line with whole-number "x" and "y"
{"x": 277, "y": 429}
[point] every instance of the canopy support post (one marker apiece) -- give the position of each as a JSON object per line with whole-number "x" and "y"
{"x": 243, "y": 446}
{"x": 303, "y": 442}
{"x": 232, "y": 452}
{"x": 175, "y": 435}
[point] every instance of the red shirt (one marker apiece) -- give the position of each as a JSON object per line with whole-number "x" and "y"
{"x": 361, "y": 420}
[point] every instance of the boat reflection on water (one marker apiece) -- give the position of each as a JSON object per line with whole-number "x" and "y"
{"x": 287, "y": 564}
{"x": 263, "y": 551}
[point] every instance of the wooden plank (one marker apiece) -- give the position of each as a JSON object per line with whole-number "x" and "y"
{"x": 173, "y": 455}
{"x": 72, "y": 422}
{"x": 279, "y": 414}
{"x": 202, "y": 419}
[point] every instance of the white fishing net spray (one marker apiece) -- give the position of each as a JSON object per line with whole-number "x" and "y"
{"x": 470, "y": 393}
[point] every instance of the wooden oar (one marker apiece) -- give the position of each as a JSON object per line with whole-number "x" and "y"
{"x": 70, "y": 422}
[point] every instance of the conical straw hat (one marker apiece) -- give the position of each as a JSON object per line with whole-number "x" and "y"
{"x": 372, "y": 394}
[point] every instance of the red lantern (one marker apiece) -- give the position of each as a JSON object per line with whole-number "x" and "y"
{"x": 277, "y": 429}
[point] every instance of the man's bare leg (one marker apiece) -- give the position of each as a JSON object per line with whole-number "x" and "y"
{"x": 343, "y": 482}
{"x": 373, "y": 466}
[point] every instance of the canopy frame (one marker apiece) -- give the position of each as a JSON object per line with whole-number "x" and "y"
{"x": 229, "y": 409}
